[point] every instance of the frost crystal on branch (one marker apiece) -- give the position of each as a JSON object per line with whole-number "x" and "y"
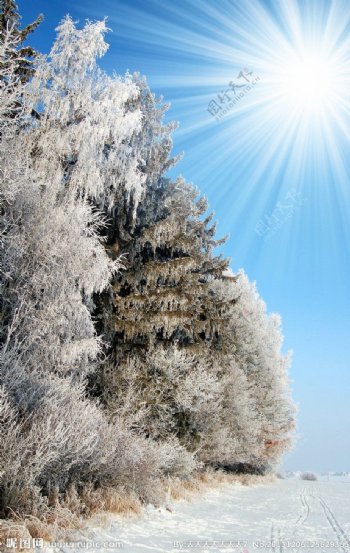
{"x": 84, "y": 128}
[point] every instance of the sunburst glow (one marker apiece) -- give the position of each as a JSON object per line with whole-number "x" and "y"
{"x": 309, "y": 82}
{"x": 287, "y": 134}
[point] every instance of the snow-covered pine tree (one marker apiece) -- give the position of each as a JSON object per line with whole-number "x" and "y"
{"x": 10, "y": 85}
{"x": 162, "y": 299}
{"x": 22, "y": 56}
{"x": 162, "y": 295}
{"x": 151, "y": 145}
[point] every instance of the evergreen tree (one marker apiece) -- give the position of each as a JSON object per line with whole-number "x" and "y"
{"x": 163, "y": 297}
{"x": 164, "y": 241}
{"x": 24, "y": 55}
{"x": 175, "y": 311}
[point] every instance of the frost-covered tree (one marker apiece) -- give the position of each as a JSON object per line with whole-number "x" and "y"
{"x": 10, "y": 19}
{"x": 255, "y": 415}
{"x": 192, "y": 371}
{"x": 54, "y": 174}
{"x": 85, "y": 128}
{"x": 169, "y": 295}
{"x": 174, "y": 291}
{"x": 171, "y": 264}
{"x": 53, "y": 259}
{"x": 74, "y": 155}
{"x": 167, "y": 248}
{"x": 16, "y": 60}
{"x": 255, "y": 340}
{"x": 20, "y": 57}
{"x": 151, "y": 145}
{"x": 232, "y": 438}
{"x": 162, "y": 297}
{"x": 170, "y": 394}
{"x": 10, "y": 83}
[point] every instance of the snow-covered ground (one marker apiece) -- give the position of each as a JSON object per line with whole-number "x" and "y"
{"x": 284, "y": 516}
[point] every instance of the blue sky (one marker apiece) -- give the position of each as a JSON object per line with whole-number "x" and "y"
{"x": 275, "y": 167}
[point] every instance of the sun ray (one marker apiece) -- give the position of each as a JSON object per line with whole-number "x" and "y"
{"x": 288, "y": 134}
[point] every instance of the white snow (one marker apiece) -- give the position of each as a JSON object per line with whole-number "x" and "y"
{"x": 284, "y": 516}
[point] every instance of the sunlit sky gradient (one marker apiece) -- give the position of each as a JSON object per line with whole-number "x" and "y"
{"x": 275, "y": 167}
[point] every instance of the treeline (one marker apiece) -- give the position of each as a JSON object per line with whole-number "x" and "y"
{"x": 129, "y": 350}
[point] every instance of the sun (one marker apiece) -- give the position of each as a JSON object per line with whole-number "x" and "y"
{"x": 306, "y": 85}
{"x": 308, "y": 82}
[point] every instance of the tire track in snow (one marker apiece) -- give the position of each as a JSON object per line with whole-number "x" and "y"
{"x": 272, "y": 538}
{"x": 280, "y": 543}
{"x": 305, "y": 509}
{"x": 333, "y": 522}
{"x": 302, "y": 518}
{"x": 306, "y": 505}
